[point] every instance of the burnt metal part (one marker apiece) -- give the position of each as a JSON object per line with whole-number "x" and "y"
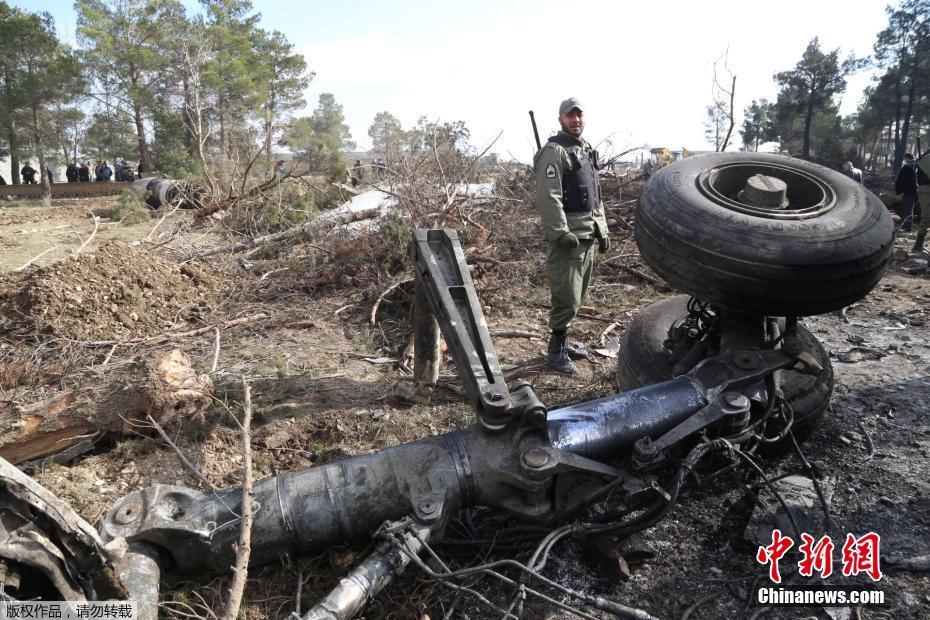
{"x": 655, "y": 340}
{"x": 608, "y": 426}
{"x": 53, "y": 553}
{"x": 517, "y": 470}
{"x": 302, "y": 511}
{"x": 140, "y": 568}
{"x": 157, "y": 192}
{"x": 444, "y": 276}
{"x": 368, "y": 578}
{"x": 540, "y": 467}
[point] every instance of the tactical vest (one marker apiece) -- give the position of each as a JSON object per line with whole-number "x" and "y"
{"x": 580, "y": 190}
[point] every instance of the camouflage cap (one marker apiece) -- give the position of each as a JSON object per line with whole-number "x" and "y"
{"x": 569, "y": 104}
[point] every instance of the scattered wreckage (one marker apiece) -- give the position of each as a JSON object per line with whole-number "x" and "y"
{"x": 159, "y": 192}
{"x": 713, "y": 380}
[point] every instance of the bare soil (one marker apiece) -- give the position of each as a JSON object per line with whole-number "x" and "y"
{"x": 29, "y": 229}
{"x": 321, "y": 393}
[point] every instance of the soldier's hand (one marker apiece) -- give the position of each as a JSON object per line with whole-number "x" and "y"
{"x": 568, "y": 241}
{"x": 603, "y": 244}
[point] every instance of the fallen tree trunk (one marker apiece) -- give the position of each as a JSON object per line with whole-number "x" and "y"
{"x": 45, "y": 427}
{"x": 165, "y": 387}
{"x": 320, "y": 224}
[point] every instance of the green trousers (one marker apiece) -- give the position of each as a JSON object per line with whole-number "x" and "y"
{"x": 569, "y": 274}
{"x": 923, "y": 195}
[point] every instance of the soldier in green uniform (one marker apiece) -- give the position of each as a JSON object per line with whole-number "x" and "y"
{"x": 568, "y": 199}
{"x": 922, "y": 169}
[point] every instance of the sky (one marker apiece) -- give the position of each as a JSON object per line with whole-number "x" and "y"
{"x": 643, "y": 69}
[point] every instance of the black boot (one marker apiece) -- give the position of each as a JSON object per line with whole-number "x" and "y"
{"x": 919, "y": 246}
{"x": 558, "y": 358}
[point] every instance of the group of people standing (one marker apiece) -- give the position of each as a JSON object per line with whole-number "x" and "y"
{"x": 81, "y": 173}
{"x": 102, "y": 172}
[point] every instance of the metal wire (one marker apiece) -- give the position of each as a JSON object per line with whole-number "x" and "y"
{"x": 828, "y": 520}
{"x": 660, "y": 508}
{"x": 489, "y": 570}
{"x": 771, "y": 486}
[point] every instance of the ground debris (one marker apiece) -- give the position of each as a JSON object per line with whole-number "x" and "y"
{"x": 803, "y": 509}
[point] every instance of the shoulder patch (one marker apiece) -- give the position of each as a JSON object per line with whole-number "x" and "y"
{"x": 550, "y": 171}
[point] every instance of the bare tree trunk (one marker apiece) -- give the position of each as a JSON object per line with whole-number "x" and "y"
{"x": 896, "y": 145}
{"x": 137, "y": 118}
{"x": 269, "y": 127}
{"x": 40, "y": 151}
{"x": 190, "y": 140}
{"x": 726, "y": 140}
{"x": 140, "y": 136}
{"x": 899, "y": 152}
{"x": 808, "y": 120}
{"x": 14, "y": 150}
{"x": 194, "y": 121}
{"x": 224, "y": 144}
{"x": 43, "y": 172}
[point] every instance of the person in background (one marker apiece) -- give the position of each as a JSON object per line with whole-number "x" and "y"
{"x": 105, "y": 172}
{"x": 922, "y": 171}
{"x": 71, "y": 172}
{"x": 29, "y": 174}
{"x": 852, "y": 172}
{"x": 84, "y": 172}
{"x": 905, "y": 186}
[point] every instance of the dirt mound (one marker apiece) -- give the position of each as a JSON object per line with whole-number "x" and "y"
{"x": 117, "y": 292}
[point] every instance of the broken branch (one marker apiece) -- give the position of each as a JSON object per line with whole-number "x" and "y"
{"x": 216, "y": 350}
{"x": 503, "y": 333}
{"x": 244, "y": 548}
{"x": 88, "y": 240}
{"x": 321, "y": 223}
{"x": 639, "y": 274}
{"x": 35, "y": 258}
{"x": 197, "y": 474}
{"x": 374, "y": 309}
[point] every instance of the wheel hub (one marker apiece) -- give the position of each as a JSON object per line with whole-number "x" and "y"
{"x": 767, "y": 190}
